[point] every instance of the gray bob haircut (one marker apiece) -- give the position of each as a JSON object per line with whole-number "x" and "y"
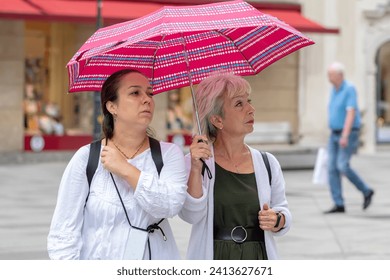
{"x": 210, "y": 95}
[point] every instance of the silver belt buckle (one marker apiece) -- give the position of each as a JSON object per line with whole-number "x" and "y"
{"x": 237, "y": 229}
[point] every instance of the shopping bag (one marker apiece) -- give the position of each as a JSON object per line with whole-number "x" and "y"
{"x": 320, "y": 174}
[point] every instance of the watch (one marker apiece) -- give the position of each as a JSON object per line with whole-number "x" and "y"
{"x": 279, "y": 217}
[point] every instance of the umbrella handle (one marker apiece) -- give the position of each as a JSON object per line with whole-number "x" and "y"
{"x": 205, "y": 167}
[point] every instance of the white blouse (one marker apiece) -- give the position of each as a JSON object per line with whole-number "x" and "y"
{"x": 100, "y": 229}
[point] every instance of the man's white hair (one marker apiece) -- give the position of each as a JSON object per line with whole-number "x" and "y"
{"x": 338, "y": 67}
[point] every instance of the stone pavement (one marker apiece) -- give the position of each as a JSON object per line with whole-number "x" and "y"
{"x": 28, "y": 196}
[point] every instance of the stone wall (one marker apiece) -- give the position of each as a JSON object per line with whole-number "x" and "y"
{"x": 275, "y": 92}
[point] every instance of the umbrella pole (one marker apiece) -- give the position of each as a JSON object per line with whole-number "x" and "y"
{"x": 195, "y": 109}
{"x": 195, "y": 104}
{"x": 205, "y": 167}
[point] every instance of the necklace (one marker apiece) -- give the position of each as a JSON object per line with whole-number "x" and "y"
{"x": 230, "y": 161}
{"x": 139, "y": 147}
{"x": 236, "y": 166}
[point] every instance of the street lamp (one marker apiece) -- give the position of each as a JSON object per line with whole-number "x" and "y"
{"x": 96, "y": 96}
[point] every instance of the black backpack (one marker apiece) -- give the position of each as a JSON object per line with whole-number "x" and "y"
{"x": 94, "y": 154}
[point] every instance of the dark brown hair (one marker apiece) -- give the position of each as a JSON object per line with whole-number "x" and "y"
{"x": 108, "y": 93}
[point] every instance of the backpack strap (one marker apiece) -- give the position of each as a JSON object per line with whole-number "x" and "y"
{"x": 155, "y": 148}
{"x": 266, "y": 162}
{"x": 93, "y": 159}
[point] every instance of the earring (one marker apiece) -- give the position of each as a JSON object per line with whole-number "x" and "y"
{"x": 114, "y": 117}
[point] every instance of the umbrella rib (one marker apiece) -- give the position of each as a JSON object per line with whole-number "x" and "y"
{"x": 229, "y": 39}
{"x": 154, "y": 55}
{"x": 186, "y": 57}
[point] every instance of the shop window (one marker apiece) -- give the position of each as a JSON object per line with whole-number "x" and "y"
{"x": 42, "y": 115}
{"x": 179, "y": 117}
{"x": 383, "y": 95}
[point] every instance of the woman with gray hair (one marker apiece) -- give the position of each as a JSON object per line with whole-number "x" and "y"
{"x": 237, "y": 211}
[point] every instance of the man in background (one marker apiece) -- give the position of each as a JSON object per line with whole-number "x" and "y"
{"x": 344, "y": 123}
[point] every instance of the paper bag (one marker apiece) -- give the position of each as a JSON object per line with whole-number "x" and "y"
{"x": 320, "y": 175}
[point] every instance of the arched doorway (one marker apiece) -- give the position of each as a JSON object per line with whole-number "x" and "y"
{"x": 383, "y": 94}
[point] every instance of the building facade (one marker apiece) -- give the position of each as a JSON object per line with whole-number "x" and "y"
{"x": 35, "y": 50}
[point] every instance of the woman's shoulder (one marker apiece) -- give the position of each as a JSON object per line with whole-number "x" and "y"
{"x": 271, "y": 157}
{"x": 168, "y": 147}
{"x": 82, "y": 154}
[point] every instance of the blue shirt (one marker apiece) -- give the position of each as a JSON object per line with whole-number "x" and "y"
{"x": 340, "y": 101}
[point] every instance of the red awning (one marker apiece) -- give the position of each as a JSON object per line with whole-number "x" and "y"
{"x": 118, "y": 11}
{"x": 301, "y": 23}
{"x": 74, "y": 11}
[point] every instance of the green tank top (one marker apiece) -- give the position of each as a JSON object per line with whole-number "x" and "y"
{"x": 236, "y": 202}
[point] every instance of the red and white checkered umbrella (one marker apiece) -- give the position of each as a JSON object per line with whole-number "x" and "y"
{"x": 180, "y": 46}
{"x": 177, "y": 46}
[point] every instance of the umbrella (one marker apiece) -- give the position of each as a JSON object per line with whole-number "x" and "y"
{"x": 180, "y": 46}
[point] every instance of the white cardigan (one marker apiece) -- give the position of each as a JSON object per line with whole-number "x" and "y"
{"x": 200, "y": 212}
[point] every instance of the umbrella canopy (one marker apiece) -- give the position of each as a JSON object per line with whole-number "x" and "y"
{"x": 180, "y": 46}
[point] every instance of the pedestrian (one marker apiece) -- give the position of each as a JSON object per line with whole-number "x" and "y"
{"x": 344, "y": 123}
{"x": 127, "y": 203}
{"x": 235, "y": 211}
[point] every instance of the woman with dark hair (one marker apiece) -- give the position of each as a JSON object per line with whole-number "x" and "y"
{"x": 121, "y": 215}
{"x": 236, "y": 212}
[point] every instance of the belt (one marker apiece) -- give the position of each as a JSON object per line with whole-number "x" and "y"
{"x": 339, "y": 131}
{"x": 239, "y": 234}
